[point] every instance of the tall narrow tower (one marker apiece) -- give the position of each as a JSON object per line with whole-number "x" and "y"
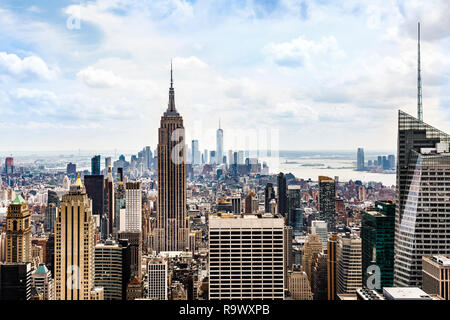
{"x": 219, "y": 143}
{"x": 172, "y": 227}
{"x": 18, "y": 232}
{"x": 419, "y": 78}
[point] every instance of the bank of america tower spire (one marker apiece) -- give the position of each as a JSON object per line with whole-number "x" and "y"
{"x": 172, "y": 227}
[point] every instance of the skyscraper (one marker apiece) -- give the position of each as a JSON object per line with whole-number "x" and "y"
{"x": 95, "y": 190}
{"x": 246, "y": 257}
{"x": 133, "y": 207}
{"x": 74, "y": 246}
{"x": 15, "y": 281}
{"x": 332, "y": 266}
{"x": 269, "y": 194}
{"x": 348, "y": 264}
{"x": 282, "y": 196}
{"x": 360, "y": 159}
{"x": 158, "y": 278}
{"x": 9, "y": 165}
{"x": 95, "y": 165}
{"x": 422, "y": 220}
{"x": 18, "y": 232}
{"x": 219, "y": 145}
{"x": 195, "y": 152}
{"x": 172, "y": 226}
{"x": 377, "y": 235}
{"x": 327, "y": 202}
{"x": 108, "y": 269}
{"x": 109, "y": 201}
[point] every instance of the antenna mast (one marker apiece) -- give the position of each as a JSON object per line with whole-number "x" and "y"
{"x": 419, "y": 78}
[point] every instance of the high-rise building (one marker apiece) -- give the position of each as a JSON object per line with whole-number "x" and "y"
{"x": 294, "y": 199}
{"x": 51, "y": 210}
{"x": 219, "y": 145}
{"x": 299, "y": 287}
{"x": 108, "y": 269}
{"x": 391, "y": 160}
{"x": 71, "y": 169}
{"x": 95, "y": 165}
{"x": 246, "y": 257}
{"x": 319, "y": 277}
{"x": 109, "y": 202}
{"x": 172, "y": 226}
{"x": 332, "y": 266}
{"x": 269, "y": 194}
{"x": 134, "y": 247}
{"x": 422, "y": 220}
{"x": 236, "y": 204}
{"x": 195, "y": 153}
{"x": 377, "y": 236}
{"x": 18, "y": 232}
{"x": 9, "y": 165}
{"x": 282, "y": 195}
{"x": 436, "y": 276}
{"x": 74, "y": 246}
{"x": 311, "y": 249}
{"x": 133, "y": 207}
{"x": 349, "y": 275}
{"x": 158, "y": 279}
{"x": 43, "y": 282}
{"x": 327, "y": 202}
{"x": 320, "y": 227}
{"x": 360, "y": 159}
{"x": 95, "y": 189}
{"x": 15, "y": 281}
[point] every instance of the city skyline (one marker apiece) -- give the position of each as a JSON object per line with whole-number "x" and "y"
{"x": 296, "y": 75}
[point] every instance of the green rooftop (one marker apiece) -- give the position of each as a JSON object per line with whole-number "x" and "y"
{"x": 18, "y": 200}
{"x": 42, "y": 269}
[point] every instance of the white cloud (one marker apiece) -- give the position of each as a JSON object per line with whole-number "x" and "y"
{"x": 99, "y": 78}
{"x": 31, "y": 65}
{"x": 300, "y": 51}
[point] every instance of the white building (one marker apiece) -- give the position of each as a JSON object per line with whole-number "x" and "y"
{"x": 157, "y": 277}
{"x": 133, "y": 207}
{"x": 320, "y": 227}
{"x": 246, "y": 257}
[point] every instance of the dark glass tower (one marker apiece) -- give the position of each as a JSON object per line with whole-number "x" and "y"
{"x": 327, "y": 202}
{"x": 95, "y": 190}
{"x": 377, "y": 235}
{"x": 282, "y": 195}
{"x": 269, "y": 194}
{"x": 95, "y": 165}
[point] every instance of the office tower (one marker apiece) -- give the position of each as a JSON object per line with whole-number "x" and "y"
{"x": 311, "y": 249}
{"x": 299, "y": 287}
{"x": 380, "y": 161}
{"x": 269, "y": 194}
{"x": 108, "y": 269}
{"x": 294, "y": 199}
{"x": 332, "y": 266}
{"x": 120, "y": 174}
{"x": 348, "y": 264}
{"x": 360, "y": 159}
{"x": 71, "y": 169}
{"x": 246, "y": 257}
{"x": 95, "y": 165}
{"x": 436, "y": 276}
{"x": 172, "y": 226}
{"x": 134, "y": 244}
{"x": 51, "y": 211}
{"x": 320, "y": 227}
{"x": 133, "y": 207}
{"x": 422, "y": 218}
{"x": 391, "y": 160}
{"x": 50, "y": 253}
{"x": 158, "y": 278}
{"x": 108, "y": 163}
{"x": 219, "y": 145}
{"x": 327, "y": 202}
{"x": 18, "y": 232}
{"x": 231, "y": 158}
{"x": 205, "y": 156}
{"x": 74, "y": 246}
{"x": 126, "y": 265}
{"x": 9, "y": 165}
{"x": 212, "y": 157}
{"x": 3, "y": 245}
{"x": 319, "y": 277}
{"x": 95, "y": 190}
{"x": 287, "y": 235}
{"x": 15, "y": 281}
{"x": 251, "y": 203}
{"x": 282, "y": 196}
{"x": 377, "y": 236}
{"x": 109, "y": 202}
{"x": 236, "y": 204}
{"x": 297, "y": 214}
{"x": 195, "y": 153}
{"x": 119, "y": 208}
{"x": 42, "y": 281}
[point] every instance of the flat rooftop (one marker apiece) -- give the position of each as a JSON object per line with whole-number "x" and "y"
{"x": 405, "y": 293}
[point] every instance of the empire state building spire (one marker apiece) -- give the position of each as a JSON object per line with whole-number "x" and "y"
{"x": 171, "y": 110}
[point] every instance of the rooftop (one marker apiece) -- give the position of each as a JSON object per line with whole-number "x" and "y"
{"x": 405, "y": 293}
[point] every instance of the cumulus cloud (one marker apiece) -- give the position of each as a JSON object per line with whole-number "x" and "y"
{"x": 99, "y": 78}
{"x": 26, "y": 67}
{"x": 301, "y": 51}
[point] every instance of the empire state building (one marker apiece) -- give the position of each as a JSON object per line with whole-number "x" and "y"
{"x": 172, "y": 226}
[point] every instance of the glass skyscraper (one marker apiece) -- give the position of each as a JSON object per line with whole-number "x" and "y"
{"x": 422, "y": 218}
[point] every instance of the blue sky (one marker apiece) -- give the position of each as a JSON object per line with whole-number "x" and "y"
{"x": 325, "y": 74}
